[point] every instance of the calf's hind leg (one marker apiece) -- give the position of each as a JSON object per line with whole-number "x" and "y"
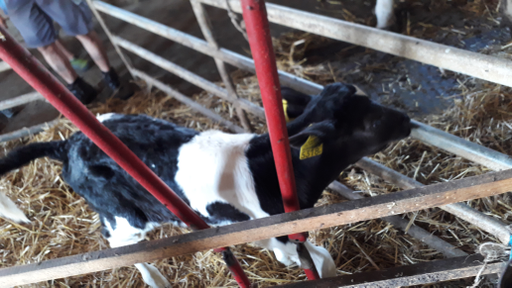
{"x": 121, "y": 233}
{"x": 286, "y": 253}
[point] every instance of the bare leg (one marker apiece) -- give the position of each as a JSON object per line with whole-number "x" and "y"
{"x": 65, "y": 51}
{"x": 287, "y": 254}
{"x": 59, "y": 63}
{"x": 124, "y": 234}
{"x": 94, "y": 47}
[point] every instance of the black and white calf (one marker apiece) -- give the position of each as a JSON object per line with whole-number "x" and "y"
{"x": 226, "y": 178}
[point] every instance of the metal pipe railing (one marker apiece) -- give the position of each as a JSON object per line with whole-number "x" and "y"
{"x": 258, "y": 33}
{"x": 481, "y": 66}
{"x": 433, "y": 136}
{"x": 32, "y": 71}
{"x": 187, "y": 75}
{"x": 477, "y": 153}
{"x": 200, "y": 45}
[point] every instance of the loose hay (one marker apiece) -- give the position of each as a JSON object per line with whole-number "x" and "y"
{"x": 62, "y": 224}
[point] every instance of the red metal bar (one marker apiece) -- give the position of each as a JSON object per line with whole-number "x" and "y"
{"x": 30, "y": 69}
{"x": 258, "y": 32}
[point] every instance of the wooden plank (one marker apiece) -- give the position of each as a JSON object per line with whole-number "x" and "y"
{"x": 480, "y": 65}
{"x": 417, "y": 274}
{"x": 264, "y": 228}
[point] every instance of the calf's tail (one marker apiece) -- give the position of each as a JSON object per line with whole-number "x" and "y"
{"x": 20, "y": 157}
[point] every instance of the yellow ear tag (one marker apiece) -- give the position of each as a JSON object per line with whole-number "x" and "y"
{"x": 285, "y": 107}
{"x": 313, "y": 147}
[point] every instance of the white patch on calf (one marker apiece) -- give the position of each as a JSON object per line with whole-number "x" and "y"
{"x": 212, "y": 167}
{"x": 322, "y": 259}
{"x": 107, "y": 116}
{"x": 152, "y": 276}
{"x": 9, "y": 210}
{"x": 384, "y": 13}
{"x": 125, "y": 234}
{"x": 287, "y": 254}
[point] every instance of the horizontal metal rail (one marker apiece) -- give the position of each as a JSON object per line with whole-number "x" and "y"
{"x": 202, "y": 46}
{"x": 264, "y": 228}
{"x": 4, "y": 66}
{"x": 21, "y": 100}
{"x": 445, "y": 141}
{"x": 481, "y": 66}
{"x": 187, "y": 75}
{"x": 410, "y": 275}
{"x": 27, "y": 131}
{"x": 482, "y": 155}
{"x": 185, "y": 100}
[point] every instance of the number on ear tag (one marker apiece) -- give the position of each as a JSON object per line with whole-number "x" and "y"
{"x": 313, "y": 147}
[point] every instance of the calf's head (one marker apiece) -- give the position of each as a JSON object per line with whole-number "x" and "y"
{"x": 339, "y": 119}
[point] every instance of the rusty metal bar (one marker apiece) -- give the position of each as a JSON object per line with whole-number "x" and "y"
{"x": 32, "y": 71}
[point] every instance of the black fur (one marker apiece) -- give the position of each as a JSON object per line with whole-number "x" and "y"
{"x": 23, "y": 155}
{"x": 225, "y": 212}
{"x": 349, "y": 126}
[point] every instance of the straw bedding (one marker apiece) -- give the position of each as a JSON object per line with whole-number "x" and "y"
{"x": 63, "y": 225}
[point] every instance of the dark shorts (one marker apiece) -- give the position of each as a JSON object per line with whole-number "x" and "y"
{"x": 34, "y": 19}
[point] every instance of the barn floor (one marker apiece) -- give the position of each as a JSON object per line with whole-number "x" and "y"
{"x": 472, "y": 109}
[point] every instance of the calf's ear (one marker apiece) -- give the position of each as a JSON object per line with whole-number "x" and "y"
{"x": 318, "y": 132}
{"x": 339, "y": 89}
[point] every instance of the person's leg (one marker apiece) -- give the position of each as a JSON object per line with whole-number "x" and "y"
{"x": 80, "y": 65}
{"x": 94, "y": 47}
{"x": 64, "y": 50}
{"x": 36, "y": 28}
{"x": 59, "y": 62}
{"x": 76, "y": 20}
